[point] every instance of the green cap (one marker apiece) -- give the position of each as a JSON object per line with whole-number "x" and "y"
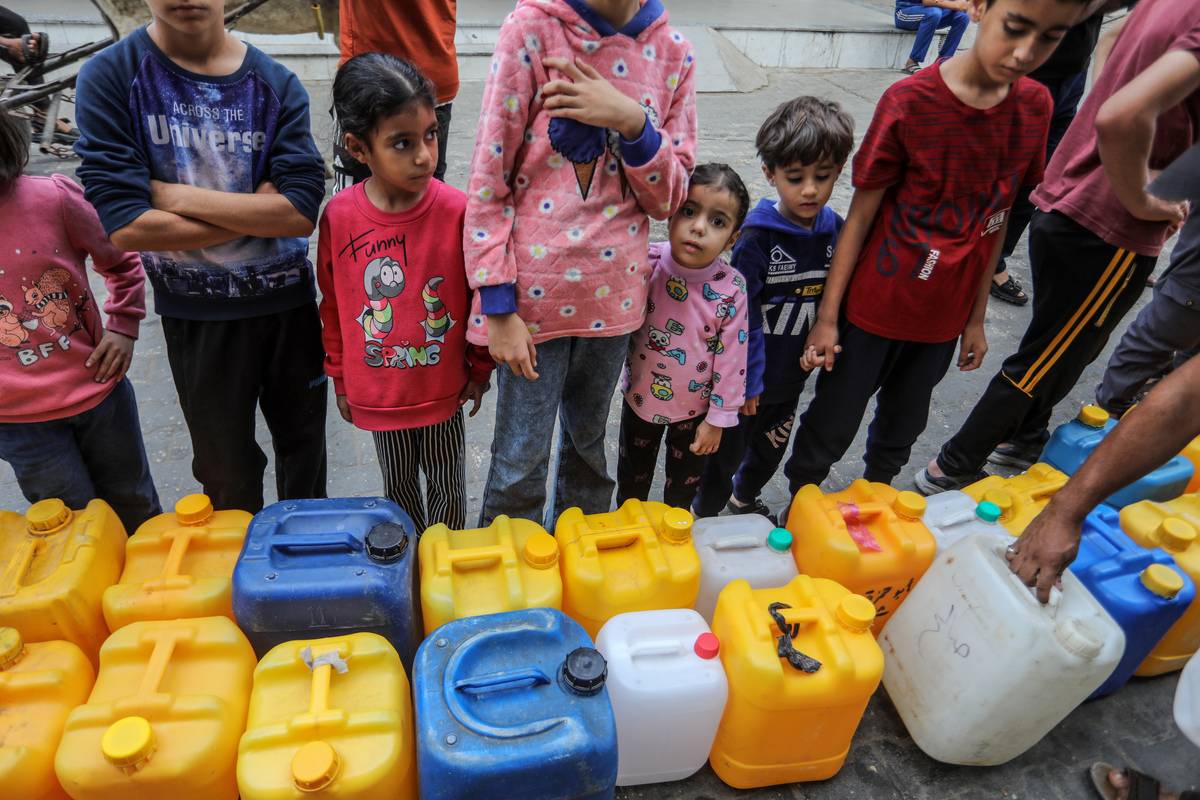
{"x": 780, "y": 539}
{"x": 988, "y": 511}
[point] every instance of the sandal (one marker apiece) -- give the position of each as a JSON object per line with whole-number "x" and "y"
{"x": 34, "y": 53}
{"x": 1141, "y": 786}
{"x": 1010, "y": 292}
{"x": 911, "y": 68}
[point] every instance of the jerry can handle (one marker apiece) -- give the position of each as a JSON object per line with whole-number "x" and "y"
{"x": 743, "y": 542}
{"x": 652, "y": 649}
{"x": 1027, "y": 592}
{"x": 613, "y": 540}
{"x": 18, "y": 565}
{"x": 336, "y": 541}
{"x": 469, "y": 558}
{"x": 784, "y": 647}
{"x": 496, "y": 682}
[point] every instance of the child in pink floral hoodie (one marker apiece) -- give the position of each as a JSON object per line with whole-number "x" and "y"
{"x": 587, "y": 128}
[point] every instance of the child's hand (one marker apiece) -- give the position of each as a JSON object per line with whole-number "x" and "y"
{"x": 473, "y": 392}
{"x": 344, "y": 408}
{"x": 708, "y": 439}
{"x": 823, "y": 341}
{"x": 810, "y": 360}
{"x": 111, "y": 357}
{"x": 587, "y": 97}
{"x": 511, "y": 345}
{"x": 749, "y": 408}
{"x": 974, "y": 348}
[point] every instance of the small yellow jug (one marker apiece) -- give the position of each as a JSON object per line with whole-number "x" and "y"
{"x": 1021, "y": 497}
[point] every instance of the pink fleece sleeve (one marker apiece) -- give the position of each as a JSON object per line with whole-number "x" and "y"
{"x": 729, "y": 389}
{"x": 123, "y": 275}
{"x": 661, "y": 184}
{"x": 503, "y": 117}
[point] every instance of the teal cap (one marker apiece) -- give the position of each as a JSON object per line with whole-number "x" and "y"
{"x": 780, "y": 539}
{"x": 988, "y": 511}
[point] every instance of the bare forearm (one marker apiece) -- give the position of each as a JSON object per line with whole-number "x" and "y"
{"x": 859, "y": 219}
{"x": 158, "y": 230}
{"x": 263, "y": 214}
{"x": 1124, "y": 144}
{"x": 979, "y": 309}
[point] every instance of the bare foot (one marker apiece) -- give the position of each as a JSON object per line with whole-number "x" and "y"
{"x": 14, "y": 45}
{"x": 1121, "y": 783}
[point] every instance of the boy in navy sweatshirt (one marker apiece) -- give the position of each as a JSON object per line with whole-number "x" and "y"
{"x": 784, "y": 254}
{"x": 197, "y": 152}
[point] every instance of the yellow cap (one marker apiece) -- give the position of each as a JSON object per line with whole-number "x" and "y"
{"x": 195, "y": 509}
{"x": 541, "y": 550}
{"x": 1176, "y": 534}
{"x": 11, "y": 647}
{"x": 1003, "y": 500}
{"x": 47, "y": 516}
{"x": 856, "y": 612}
{"x": 315, "y": 766}
{"x": 676, "y": 525}
{"x": 128, "y": 743}
{"x": 1093, "y": 416}
{"x": 1162, "y": 580}
{"x": 909, "y": 505}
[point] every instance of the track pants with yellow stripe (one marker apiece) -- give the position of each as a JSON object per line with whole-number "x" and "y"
{"x": 1082, "y": 288}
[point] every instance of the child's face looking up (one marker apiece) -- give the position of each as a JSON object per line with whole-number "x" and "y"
{"x": 1015, "y": 37}
{"x": 804, "y": 189}
{"x": 705, "y": 225}
{"x": 402, "y": 150}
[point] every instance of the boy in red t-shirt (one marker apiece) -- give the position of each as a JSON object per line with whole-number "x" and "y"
{"x": 934, "y": 180}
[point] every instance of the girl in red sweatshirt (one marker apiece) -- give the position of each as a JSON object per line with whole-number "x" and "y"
{"x": 394, "y": 292}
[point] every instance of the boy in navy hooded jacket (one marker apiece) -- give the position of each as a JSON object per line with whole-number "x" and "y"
{"x": 784, "y": 253}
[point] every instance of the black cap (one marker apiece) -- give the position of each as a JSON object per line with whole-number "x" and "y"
{"x": 584, "y": 671}
{"x": 386, "y": 542}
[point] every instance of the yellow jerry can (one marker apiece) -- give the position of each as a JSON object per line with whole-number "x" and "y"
{"x": 637, "y": 558}
{"x": 1192, "y": 454}
{"x": 40, "y": 683}
{"x": 179, "y": 565}
{"x": 329, "y": 718}
{"x": 793, "y": 705}
{"x": 55, "y": 564}
{"x": 1021, "y": 497}
{"x": 510, "y": 565}
{"x": 164, "y": 718}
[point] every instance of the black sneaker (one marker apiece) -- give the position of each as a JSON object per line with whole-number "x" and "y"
{"x": 928, "y": 484}
{"x": 1020, "y": 457}
{"x": 1010, "y": 292}
{"x": 756, "y": 506}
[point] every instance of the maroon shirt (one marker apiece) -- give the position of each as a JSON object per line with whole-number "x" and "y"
{"x": 1076, "y": 184}
{"x": 951, "y": 173}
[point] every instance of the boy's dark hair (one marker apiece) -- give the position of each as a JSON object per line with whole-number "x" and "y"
{"x": 723, "y": 176}
{"x": 14, "y": 150}
{"x": 805, "y": 130}
{"x": 372, "y": 86}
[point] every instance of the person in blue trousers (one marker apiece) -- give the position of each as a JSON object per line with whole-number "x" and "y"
{"x": 927, "y": 17}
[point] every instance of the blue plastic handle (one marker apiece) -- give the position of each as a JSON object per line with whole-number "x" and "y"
{"x": 479, "y": 685}
{"x": 334, "y": 541}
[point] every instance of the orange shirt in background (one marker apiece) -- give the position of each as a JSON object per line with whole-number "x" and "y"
{"x": 421, "y": 31}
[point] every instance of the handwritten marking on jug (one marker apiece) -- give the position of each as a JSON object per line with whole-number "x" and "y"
{"x": 877, "y": 596}
{"x": 784, "y": 647}
{"x": 943, "y": 629}
{"x": 858, "y": 529}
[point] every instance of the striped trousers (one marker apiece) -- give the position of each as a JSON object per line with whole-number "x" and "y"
{"x": 1082, "y": 288}
{"x": 436, "y": 450}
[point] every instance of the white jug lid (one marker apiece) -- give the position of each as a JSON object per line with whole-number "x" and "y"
{"x": 1076, "y": 637}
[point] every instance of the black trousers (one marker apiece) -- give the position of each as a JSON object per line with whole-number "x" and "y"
{"x": 638, "y": 456}
{"x": 223, "y": 370}
{"x": 347, "y": 170}
{"x": 750, "y": 454}
{"x": 900, "y": 374}
{"x": 1082, "y": 288}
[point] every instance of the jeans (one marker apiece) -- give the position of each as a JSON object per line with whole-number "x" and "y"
{"x": 98, "y": 453}
{"x": 926, "y": 21}
{"x": 576, "y": 380}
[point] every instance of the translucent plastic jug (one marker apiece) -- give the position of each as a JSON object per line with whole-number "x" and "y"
{"x": 1140, "y": 588}
{"x": 869, "y": 538}
{"x": 509, "y": 565}
{"x": 1187, "y": 701}
{"x": 179, "y": 565}
{"x": 792, "y": 717}
{"x": 1173, "y": 526}
{"x": 1072, "y": 442}
{"x": 55, "y": 564}
{"x": 1021, "y": 497}
{"x": 746, "y": 546}
{"x": 40, "y": 683}
{"x": 329, "y": 718}
{"x": 637, "y": 558}
{"x": 979, "y": 670}
{"x": 165, "y": 715}
{"x": 668, "y": 692}
{"x": 951, "y": 516}
{"x": 313, "y": 568}
{"x": 513, "y": 705}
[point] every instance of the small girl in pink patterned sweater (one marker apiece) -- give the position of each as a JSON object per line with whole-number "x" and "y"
{"x": 587, "y": 127}
{"x": 686, "y": 371}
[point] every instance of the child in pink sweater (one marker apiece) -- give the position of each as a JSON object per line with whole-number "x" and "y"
{"x": 69, "y": 423}
{"x": 587, "y": 127}
{"x": 686, "y": 370}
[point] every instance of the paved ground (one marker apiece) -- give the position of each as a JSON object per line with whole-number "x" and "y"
{"x": 1133, "y": 726}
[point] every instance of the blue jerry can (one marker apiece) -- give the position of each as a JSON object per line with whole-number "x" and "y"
{"x": 1141, "y": 589}
{"x": 513, "y": 705}
{"x": 316, "y": 568}
{"x": 1072, "y": 442}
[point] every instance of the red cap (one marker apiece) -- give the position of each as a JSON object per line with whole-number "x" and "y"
{"x": 707, "y": 645}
